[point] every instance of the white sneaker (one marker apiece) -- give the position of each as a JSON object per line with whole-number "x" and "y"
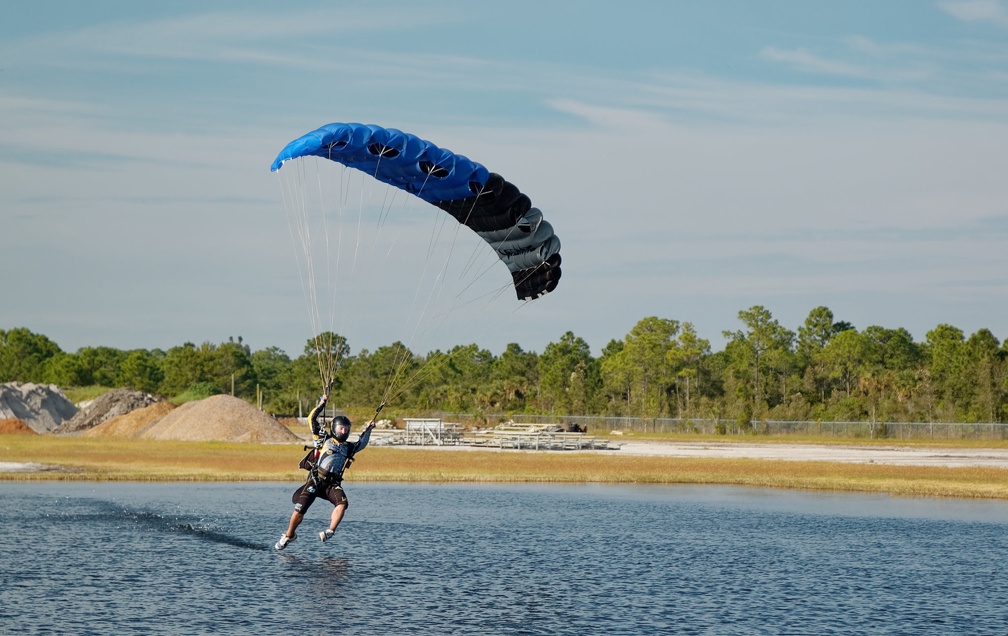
{"x": 284, "y": 540}
{"x": 325, "y": 535}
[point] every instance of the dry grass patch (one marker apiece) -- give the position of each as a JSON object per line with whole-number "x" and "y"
{"x": 158, "y": 460}
{"x": 110, "y": 458}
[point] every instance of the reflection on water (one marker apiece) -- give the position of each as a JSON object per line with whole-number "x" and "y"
{"x": 501, "y": 559}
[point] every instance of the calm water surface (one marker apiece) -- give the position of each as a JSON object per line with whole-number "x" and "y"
{"x": 510, "y": 559}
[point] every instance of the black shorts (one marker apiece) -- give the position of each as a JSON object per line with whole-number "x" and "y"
{"x": 306, "y": 495}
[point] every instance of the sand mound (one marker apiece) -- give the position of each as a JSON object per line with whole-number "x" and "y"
{"x": 218, "y": 418}
{"x": 130, "y": 424}
{"x": 106, "y": 407}
{"x": 14, "y": 425}
{"x": 43, "y": 407}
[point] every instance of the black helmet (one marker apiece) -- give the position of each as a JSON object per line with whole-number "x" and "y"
{"x": 338, "y": 421}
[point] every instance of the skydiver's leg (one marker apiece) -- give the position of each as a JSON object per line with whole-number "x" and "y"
{"x": 337, "y": 516}
{"x": 339, "y": 501}
{"x": 296, "y": 518}
{"x": 303, "y": 499}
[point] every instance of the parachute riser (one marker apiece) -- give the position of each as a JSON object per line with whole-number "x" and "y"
{"x": 377, "y": 411}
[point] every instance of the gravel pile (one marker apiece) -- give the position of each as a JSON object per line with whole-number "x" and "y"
{"x": 218, "y": 418}
{"x": 109, "y": 405}
{"x": 130, "y": 424}
{"x": 43, "y": 407}
{"x": 14, "y": 425}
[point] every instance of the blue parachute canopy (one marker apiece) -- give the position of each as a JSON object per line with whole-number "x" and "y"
{"x": 482, "y": 200}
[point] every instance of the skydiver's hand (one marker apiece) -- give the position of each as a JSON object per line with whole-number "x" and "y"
{"x": 318, "y": 443}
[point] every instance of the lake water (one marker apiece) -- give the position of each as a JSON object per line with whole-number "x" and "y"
{"x": 109, "y": 558}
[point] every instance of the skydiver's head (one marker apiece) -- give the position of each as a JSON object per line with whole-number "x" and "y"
{"x": 341, "y": 428}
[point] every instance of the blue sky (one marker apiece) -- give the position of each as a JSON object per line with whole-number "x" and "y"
{"x": 695, "y": 158}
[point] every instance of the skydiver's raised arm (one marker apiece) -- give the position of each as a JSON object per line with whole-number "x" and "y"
{"x": 315, "y": 419}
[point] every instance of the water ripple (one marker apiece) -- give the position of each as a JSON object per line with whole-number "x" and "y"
{"x": 421, "y": 559}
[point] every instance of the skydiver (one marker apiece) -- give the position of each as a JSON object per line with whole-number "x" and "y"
{"x": 332, "y": 454}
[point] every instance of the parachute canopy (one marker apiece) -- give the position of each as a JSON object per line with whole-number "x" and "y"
{"x": 482, "y": 200}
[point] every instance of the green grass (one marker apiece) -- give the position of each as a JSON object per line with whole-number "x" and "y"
{"x": 83, "y": 393}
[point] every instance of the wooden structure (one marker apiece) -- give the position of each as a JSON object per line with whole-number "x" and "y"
{"x": 536, "y": 437}
{"x": 436, "y": 432}
{"x": 420, "y": 432}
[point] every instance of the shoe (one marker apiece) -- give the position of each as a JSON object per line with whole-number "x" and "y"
{"x": 325, "y": 535}
{"x": 284, "y": 540}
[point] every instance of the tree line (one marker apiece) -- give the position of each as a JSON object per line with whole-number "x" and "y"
{"x": 827, "y": 370}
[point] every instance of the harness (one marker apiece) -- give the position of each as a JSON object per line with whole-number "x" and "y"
{"x": 335, "y": 476}
{"x": 321, "y": 477}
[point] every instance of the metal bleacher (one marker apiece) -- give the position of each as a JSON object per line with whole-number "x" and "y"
{"x": 436, "y": 432}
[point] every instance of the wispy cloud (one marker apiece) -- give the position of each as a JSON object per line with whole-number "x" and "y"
{"x": 974, "y": 68}
{"x": 992, "y": 11}
{"x": 808, "y": 62}
{"x": 282, "y": 37}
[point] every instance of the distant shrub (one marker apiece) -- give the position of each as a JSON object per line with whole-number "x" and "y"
{"x": 196, "y": 391}
{"x": 80, "y": 394}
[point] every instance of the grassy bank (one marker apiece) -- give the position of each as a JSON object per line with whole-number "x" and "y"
{"x": 110, "y": 459}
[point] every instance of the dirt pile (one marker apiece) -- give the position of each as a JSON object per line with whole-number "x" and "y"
{"x": 43, "y": 407}
{"x": 108, "y": 405}
{"x": 130, "y": 424}
{"x": 218, "y": 418}
{"x": 14, "y": 425}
